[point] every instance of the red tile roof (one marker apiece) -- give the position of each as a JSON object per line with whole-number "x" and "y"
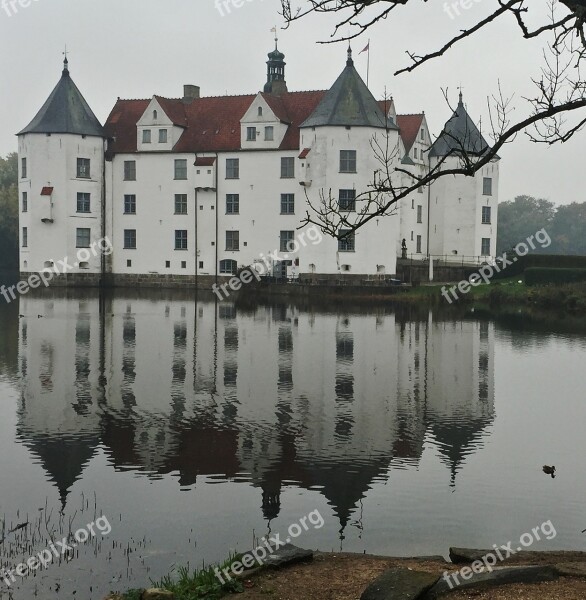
{"x": 46, "y": 191}
{"x": 211, "y": 124}
{"x": 305, "y": 152}
{"x": 409, "y": 126}
{"x": 204, "y": 161}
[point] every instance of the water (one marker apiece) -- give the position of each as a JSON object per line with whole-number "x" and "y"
{"x": 194, "y": 426}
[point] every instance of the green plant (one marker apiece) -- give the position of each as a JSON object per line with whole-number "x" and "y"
{"x": 201, "y": 584}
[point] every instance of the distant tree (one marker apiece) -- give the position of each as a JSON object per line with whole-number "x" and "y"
{"x": 568, "y": 228}
{"x": 9, "y": 212}
{"x": 522, "y": 217}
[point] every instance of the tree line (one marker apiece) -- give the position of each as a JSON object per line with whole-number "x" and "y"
{"x": 9, "y": 212}
{"x": 522, "y": 217}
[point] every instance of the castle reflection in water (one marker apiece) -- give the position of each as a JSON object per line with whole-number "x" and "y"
{"x": 269, "y": 395}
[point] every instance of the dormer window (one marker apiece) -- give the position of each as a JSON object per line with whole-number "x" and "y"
{"x": 155, "y": 115}
{"x": 146, "y": 136}
{"x": 251, "y": 134}
{"x": 162, "y": 136}
{"x": 260, "y": 111}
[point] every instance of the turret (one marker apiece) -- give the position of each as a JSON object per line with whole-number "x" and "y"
{"x": 61, "y": 182}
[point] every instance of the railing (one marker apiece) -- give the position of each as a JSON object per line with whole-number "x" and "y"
{"x": 449, "y": 259}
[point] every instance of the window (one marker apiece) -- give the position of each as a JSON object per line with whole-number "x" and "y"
{"x": 232, "y": 240}
{"x": 485, "y": 247}
{"x": 232, "y": 168}
{"x": 83, "y": 168}
{"x": 347, "y": 161}
{"x": 228, "y": 267}
{"x": 419, "y": 213}
{"x": 287, "y": 167}
{"x": 487, "y": 186}
{"x": 82, "y": 237}
{"x": 129, "y": 204}
{"x": 346, "y": 243}
{"x": 418, "y": 246}
{"x": 347, "y": 200}
{"x": 181, "y": 239}
{"x": 23, "y": 168}
{"x": 232, "y": 204}
{"x": 167, "y": 264}
{"x": 130, "y": 239}
{"x": 83, "y": 202}
{"x": 251, "y": 134}
{"x": 162, "y": 136}
{"x": 201, "y": 264}
{"x": 269, "y": 133}
{"x": 184, "y": 264}
{"x": 24, "y": 201}
{"x": 155, "y": 115}
{"x": 129, "y": 170}
{"x": 420, "y": 189}
{"x": 180, "y": 204}
{"x": 415, "y": 153}
{"x": 180, "y": 168}
{"x": 260, "y": 111}
{"x": 286, "y": 238}
{"x": 422, "y": 134}
{"x": 128, "y": 263}
{"x": 486, "y": 214}
{"x": 287, "y": 204}
{"x": 25, "y": 237}
{"x": 146, "y": 136}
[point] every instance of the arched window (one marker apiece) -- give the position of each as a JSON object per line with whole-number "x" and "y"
{"x": 260, "y": 111}
{"x": 228, "y": 267}
{"x": 155, "y": 115}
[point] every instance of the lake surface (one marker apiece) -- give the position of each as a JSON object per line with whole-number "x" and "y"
{"x": 196, "y": 427}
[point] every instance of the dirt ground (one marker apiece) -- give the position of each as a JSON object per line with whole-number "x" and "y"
{"x": 345, "y": 576}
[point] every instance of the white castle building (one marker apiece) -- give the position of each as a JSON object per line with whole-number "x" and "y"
{"x": 195, "y": 188}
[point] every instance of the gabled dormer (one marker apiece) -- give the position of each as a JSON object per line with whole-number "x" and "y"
{"x": 161, "y": 125}
{"x": 264, "y": 124}
{"x": 415, "y": 138}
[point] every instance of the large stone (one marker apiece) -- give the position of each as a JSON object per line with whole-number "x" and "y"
{"x": 488, "y": 579}
{"x": 399, "y": 584}
{"x": 157, "y": 594}
{"x": 281, "y": 557}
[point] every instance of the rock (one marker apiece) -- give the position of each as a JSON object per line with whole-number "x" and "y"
{"x": 285, "y": 555}
{"x": 487, "y": 579}
{"x": 466, "y": 555}
{"x": 399, "y": 584}
{"x": 157, "y": 594}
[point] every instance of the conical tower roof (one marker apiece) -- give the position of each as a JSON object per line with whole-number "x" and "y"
{"x": 65, "y": 111}
{"x": 348, "y": 103}
{"x": 459, "y": 134}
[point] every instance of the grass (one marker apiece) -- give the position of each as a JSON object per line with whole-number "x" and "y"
{"x": 200, "y": 584}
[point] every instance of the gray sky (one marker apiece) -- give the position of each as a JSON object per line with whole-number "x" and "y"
{"x": 137, "y": 48}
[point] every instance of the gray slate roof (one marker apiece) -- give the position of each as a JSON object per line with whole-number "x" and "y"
{"x": 459, "y": 133}
{"x": 349, "y": 103}
{"x": 65, "y": 111}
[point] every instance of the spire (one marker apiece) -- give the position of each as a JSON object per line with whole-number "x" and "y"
{"x": 65, "y": 63}
{"x": 459, "y": 134}
{"x": 65, "y": 111}
{"x": 349, "y": 103}
{"x": 276, "y": 83}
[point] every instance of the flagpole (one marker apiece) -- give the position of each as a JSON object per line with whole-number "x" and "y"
{"x": 368, "y": 64}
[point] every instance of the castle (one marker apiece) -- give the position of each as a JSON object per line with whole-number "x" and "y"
{"x": 193, "y": 189}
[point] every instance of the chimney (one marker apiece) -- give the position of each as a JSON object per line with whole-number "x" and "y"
{"x": 190, "y": 93}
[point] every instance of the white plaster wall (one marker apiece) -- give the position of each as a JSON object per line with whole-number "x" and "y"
{"x": 52, "y": 162}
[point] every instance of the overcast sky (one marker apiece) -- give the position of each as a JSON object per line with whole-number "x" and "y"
{"x": 137, "y": 48}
